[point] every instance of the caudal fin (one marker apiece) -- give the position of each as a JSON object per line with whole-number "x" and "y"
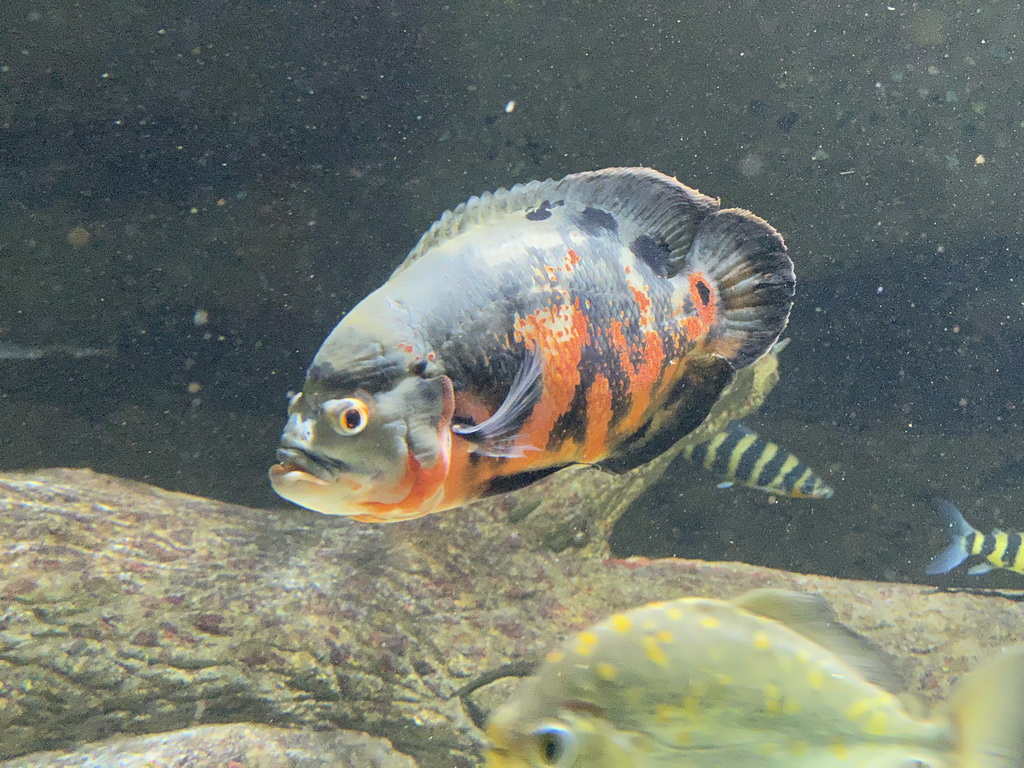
{"x": 746, "y": 262}
{"x": 988, "y": 709}
{"x": 956, "y": 552}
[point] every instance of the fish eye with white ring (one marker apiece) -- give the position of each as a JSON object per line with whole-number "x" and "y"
{"x": 347, "y": 416}
{"x": 555, "y": 745}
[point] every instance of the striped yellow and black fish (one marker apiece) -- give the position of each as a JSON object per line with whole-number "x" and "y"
{"x": 999, "y": 548}
{"x": 596, "y": 319}
{"x": 769, "y": 680}
{"x": 741, "y": 455}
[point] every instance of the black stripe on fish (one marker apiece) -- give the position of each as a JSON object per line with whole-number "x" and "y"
{"x": 699, "y": 452}
{"x": 506, "y": 483}
{"x": 773, "y": 467}
{"x": 807, "y": 484}
{"x": 572, "y": 425}
{"x": 974, "y": 542}
{"x": 725, "y": 450}
{"x": 794, "y": 475}
{"x": 1012, "y": 549}
{"x": 691, "y": 399}
{"x": 989, "y": 545}
{"x": 749, "y": 458}
{"x": 373, "y": 376}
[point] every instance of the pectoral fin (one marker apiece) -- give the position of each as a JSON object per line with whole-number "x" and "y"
{"x": 498, "y": 434}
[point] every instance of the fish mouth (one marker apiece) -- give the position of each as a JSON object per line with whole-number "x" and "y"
{"x": 295, "y": 463}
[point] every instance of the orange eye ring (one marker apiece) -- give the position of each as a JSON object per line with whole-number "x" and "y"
{"x": 349, "y": 416}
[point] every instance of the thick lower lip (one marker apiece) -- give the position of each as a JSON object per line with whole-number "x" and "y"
{"x": 289, "y": 474}
{"x": 296, "y": 464}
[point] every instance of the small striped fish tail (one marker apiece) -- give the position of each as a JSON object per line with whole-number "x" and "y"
{"x": 960, "y": 534}
{"x": 741, "y": 455}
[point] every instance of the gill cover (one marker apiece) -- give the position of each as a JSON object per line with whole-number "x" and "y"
{"x": 419, "y": 411}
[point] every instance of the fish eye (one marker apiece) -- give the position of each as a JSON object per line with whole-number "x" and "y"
{"x": 555, "y": 745}
{"x": 348, "y": 416}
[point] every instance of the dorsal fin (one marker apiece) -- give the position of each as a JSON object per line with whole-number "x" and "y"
{"x": 654, "y": 214}
{"x": 812, "y": 617}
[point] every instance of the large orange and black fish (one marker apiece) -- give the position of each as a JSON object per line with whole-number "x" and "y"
{"x": 595, "y": 319}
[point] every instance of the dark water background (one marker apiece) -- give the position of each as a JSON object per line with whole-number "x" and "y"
{"x": 200, "y": 190}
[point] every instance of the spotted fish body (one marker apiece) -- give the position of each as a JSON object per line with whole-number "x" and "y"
{"x": 999, "y": 549}
{"x": 595, "y": 319}
{"x": 743, "y": 456}
{"x": 767, "y": 681}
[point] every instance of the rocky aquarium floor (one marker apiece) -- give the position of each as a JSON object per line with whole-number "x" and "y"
{"x": 128, "y": 610}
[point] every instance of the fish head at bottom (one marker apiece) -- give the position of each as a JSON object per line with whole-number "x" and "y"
{"x": 572, "y": 740}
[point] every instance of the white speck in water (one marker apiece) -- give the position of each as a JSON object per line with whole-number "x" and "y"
{"x": 510, "y": 107}
{"x": 200, "y": 318}
{"x": 752, "y": 164}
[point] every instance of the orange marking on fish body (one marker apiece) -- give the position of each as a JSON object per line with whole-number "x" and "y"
{"x": 644, "y": 379}
{"x": 571, "y": 259}
{"x": 599, "y": 419}
{"x": 558, "y": 334}
{"x": 643, "y": 301}
{"x": 704, "y": 300}
{"x": 693, "y": 326}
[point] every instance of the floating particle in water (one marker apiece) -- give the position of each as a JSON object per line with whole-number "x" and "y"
{"x": 751, "y": 164}
{"x": 200, "y": 318}
{"x": 79, "y": 237}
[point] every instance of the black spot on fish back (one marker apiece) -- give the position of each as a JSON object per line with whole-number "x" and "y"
{"x": 541, "y": 212}
{"x": 654, "y": 252}
{"x": 595, "y": 221}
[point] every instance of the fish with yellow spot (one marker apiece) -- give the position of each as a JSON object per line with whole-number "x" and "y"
{"x": 591, "y": 320}
{"x": 769, "y": 680}
{"x": 1000, "y": 549}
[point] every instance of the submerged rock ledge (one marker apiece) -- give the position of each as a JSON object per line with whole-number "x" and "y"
{"x": 129, "y": 609}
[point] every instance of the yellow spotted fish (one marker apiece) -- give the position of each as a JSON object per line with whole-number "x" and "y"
{"x": 769, "y": 680}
